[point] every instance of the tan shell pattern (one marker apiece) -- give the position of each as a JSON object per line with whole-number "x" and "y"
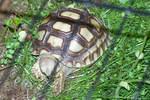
{"x": 73, "y": 36}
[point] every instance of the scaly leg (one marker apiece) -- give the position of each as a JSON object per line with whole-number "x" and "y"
{"x": 59, "y": 82}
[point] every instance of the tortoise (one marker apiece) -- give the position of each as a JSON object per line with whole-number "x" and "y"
{"x": 68, "y": 39}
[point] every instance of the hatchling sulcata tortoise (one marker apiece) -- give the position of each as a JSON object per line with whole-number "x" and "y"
{"x": 68, "y": 40}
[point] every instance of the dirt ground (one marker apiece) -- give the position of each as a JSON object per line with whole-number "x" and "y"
{"x": 10, "y": 89}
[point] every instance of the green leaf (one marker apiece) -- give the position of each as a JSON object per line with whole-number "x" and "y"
{"x": 9, "y": 56}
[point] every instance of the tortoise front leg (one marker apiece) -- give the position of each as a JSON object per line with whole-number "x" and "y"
{"x": 58, "y": 85}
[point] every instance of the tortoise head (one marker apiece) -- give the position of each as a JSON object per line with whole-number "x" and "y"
{"x": 45, "y": 66}
{"x": 48, "y": 64}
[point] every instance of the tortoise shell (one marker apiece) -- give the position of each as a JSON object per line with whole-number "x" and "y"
{"x": 73, "y": 36}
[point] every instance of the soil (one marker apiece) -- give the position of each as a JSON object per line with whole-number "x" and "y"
{"x": 10, "y": 89}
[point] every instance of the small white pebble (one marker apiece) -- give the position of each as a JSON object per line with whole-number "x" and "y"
{"x": 139, "y": 55}
{"x": 22, "y": 36}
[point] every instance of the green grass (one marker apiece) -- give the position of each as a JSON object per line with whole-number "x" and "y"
{"x": 123, "y": 66}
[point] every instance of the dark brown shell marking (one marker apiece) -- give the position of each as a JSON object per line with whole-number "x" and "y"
{"x": 75, "y": 35}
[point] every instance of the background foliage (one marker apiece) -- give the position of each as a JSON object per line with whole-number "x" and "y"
{"x": 118, "y": 78}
